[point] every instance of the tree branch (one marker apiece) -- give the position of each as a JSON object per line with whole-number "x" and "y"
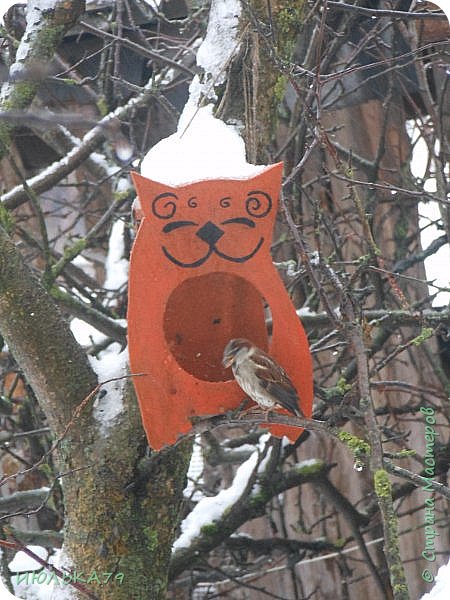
{"x": 40, "y": 339}
{"x": 28, "y": 500}
{"x": 46, "y": 27}
{"x": 249, "y": 506}
{"x": 377, "y": 12}
{"x": 53, "y": 174}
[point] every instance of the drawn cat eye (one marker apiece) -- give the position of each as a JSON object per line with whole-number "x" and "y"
{"x": 176, "y": 225}
{"x": 164, "y": 205}
{"x": 258, "y": 204}
{"x": 240, "y": 221}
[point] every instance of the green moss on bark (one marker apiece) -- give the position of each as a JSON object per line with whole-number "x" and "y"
{"x": 383, "y": 490}
{"x": 120, "y": 518}
{"x": 268, "y": 65}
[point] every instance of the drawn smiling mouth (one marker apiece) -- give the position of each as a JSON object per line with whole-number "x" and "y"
{"x": 210, "y": 234}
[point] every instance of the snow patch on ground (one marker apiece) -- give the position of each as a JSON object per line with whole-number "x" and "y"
{"x": 42, "y": 586}
{"x": 23, "y": 562}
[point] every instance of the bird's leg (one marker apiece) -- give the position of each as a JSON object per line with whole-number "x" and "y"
{"x": 257, "y": 409}
{"x": 236, "y": 412}
{"x": 241, "y": 410}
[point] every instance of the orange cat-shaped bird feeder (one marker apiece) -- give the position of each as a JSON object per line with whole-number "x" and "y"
{"x": 201, "y": 274}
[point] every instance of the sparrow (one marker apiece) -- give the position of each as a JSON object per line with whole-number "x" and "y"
{"x": 261, "y": 377}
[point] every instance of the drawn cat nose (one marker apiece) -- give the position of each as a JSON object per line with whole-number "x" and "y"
{"x": 210, "y": 233}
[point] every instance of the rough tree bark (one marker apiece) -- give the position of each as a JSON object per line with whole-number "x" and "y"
{"x": 121, "y": 508}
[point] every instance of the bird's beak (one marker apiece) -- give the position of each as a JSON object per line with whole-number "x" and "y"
{"x": 227, "y": 360}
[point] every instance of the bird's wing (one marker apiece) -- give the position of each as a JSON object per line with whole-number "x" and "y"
{"x": 274, "y": 379}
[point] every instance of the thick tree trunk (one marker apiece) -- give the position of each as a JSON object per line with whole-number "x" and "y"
{"x": 121, "y": 510}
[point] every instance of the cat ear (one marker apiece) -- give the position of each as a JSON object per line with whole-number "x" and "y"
{"x": 269, "y": 180}
{"x": 153, "y": 198}
{"x": 263, "y": 192}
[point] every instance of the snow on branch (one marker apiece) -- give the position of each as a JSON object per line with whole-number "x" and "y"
{"x": 210, "y": 509}
{"x": 53, "y": 174}
{"x": 256, "y": 481}
{"x": 205, "y": 147}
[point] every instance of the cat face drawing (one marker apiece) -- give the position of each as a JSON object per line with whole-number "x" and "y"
{"x": 201, "y": 274}
{"x": 202, "y": 220}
